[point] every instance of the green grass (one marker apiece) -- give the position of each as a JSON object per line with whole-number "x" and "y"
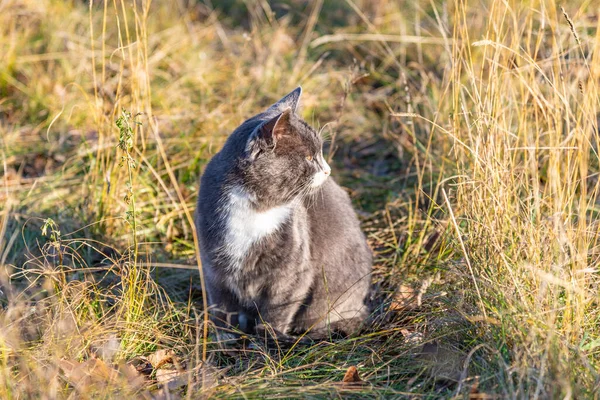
{"x": 465, "y": 132}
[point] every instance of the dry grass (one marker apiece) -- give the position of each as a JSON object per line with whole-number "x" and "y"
{"x": 466, "y": 133}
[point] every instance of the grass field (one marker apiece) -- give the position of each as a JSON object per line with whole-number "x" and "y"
{"x": 466, "y": 133}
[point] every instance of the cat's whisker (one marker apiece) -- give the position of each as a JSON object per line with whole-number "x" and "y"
{"x": 325, "y": 137}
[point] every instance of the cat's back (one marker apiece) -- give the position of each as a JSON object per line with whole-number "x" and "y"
{"x": 211, "y": 196}
{"x": 211, "y": 188}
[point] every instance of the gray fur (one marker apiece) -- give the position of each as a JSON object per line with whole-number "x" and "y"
{"x": 274, "y": 248}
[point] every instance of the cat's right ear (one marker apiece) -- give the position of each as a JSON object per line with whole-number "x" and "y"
{"x": 290, "y": 100}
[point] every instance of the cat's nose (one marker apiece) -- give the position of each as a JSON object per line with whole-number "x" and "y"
{"x": 326, "y": 169}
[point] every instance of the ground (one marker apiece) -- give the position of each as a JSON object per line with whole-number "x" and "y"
{"x": 466, "y": 134}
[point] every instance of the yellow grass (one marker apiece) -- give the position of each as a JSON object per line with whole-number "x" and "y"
{"x": 466, "y": 133}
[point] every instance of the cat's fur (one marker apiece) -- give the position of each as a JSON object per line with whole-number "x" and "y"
{"x": 279, "y": 240}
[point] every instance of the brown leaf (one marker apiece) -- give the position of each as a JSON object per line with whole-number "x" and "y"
{"x": 475, "y": 386}
{"x": 171, "y": 378}
{"x": 352, "y": 376}
{"x": 482, "y": 396}
{"x": 92, "y": 372}
{"x": 405, "y": 298}
{"x": 168, "y": 370}
{"x": 161, "y": 357}
{"x": 432, "y": 241}
{"x": 134, "y": 378}
{"x": 95, "y": 373}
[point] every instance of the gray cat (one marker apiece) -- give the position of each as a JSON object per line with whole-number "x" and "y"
{"x": 279, "y": 241}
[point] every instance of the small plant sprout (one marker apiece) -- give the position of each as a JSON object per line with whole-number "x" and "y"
{"x": 50, "y": 229}
{"x": 125, "y": 123}
{"x": 134, "y": 282}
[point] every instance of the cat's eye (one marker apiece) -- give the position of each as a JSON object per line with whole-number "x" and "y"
{"x": 309, "y": 158}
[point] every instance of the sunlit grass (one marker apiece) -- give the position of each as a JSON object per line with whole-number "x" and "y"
{"x": 466, "y": 134}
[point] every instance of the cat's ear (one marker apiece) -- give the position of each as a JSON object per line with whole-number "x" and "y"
{"x": 290, "y": 100}
{"x": 268, "y": 133}
{"x": 276, "y": 127}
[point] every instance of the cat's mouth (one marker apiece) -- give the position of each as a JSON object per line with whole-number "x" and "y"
{"x": 321, "y": 176}
{"x": 319, "y": 179}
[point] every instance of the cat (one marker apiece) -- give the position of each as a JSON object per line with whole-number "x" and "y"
{"x": 280, "y": 243}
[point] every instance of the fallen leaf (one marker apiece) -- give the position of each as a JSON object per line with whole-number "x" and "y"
{"x": 95, "y": 373}
{"x": 476, "y": 394}
{"x": 474, "y": 386}
{"x": 352, "y": 379}
{"x": 405, "y": 298}
{"x": 352, "y": 375}
{"x": 432, "y": 241}
{"x": 135, "y": 379}
{"x": 92, "y": 372}
{"x": 171, "y": 379}
{"x": 161, "y": 357}
{"x": 168, "y": 371}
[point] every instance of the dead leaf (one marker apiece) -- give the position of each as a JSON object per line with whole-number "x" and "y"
{"x": 92, "y": 372}
{"x": 474, "y": 386}
{"x": 135, "y": 379}
{"x": 476, "y": 394}
{"x": 485, "y": 396}
{"x": 161, "y": 357}
{"x": 432, "y": 241}
{"x": 95, "y": 373}
{"x": 168, "y": 371}
{"x": 352, "y": 375}
{"x": 171, "y": 379}
{"x": 405, "y": 298}
{"x": 351, "y": 379}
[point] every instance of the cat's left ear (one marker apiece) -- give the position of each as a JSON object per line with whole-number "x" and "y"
{"x": 268, "y": 133}
{"x": 290, "y": 100}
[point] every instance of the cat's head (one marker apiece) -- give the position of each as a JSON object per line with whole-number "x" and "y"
{"x": 284, "y": 155}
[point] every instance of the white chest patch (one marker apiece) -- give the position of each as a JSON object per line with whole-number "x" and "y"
{"x": 246, "y": 226}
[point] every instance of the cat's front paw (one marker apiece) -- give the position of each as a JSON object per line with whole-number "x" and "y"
{"x": 225, "y": 339}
